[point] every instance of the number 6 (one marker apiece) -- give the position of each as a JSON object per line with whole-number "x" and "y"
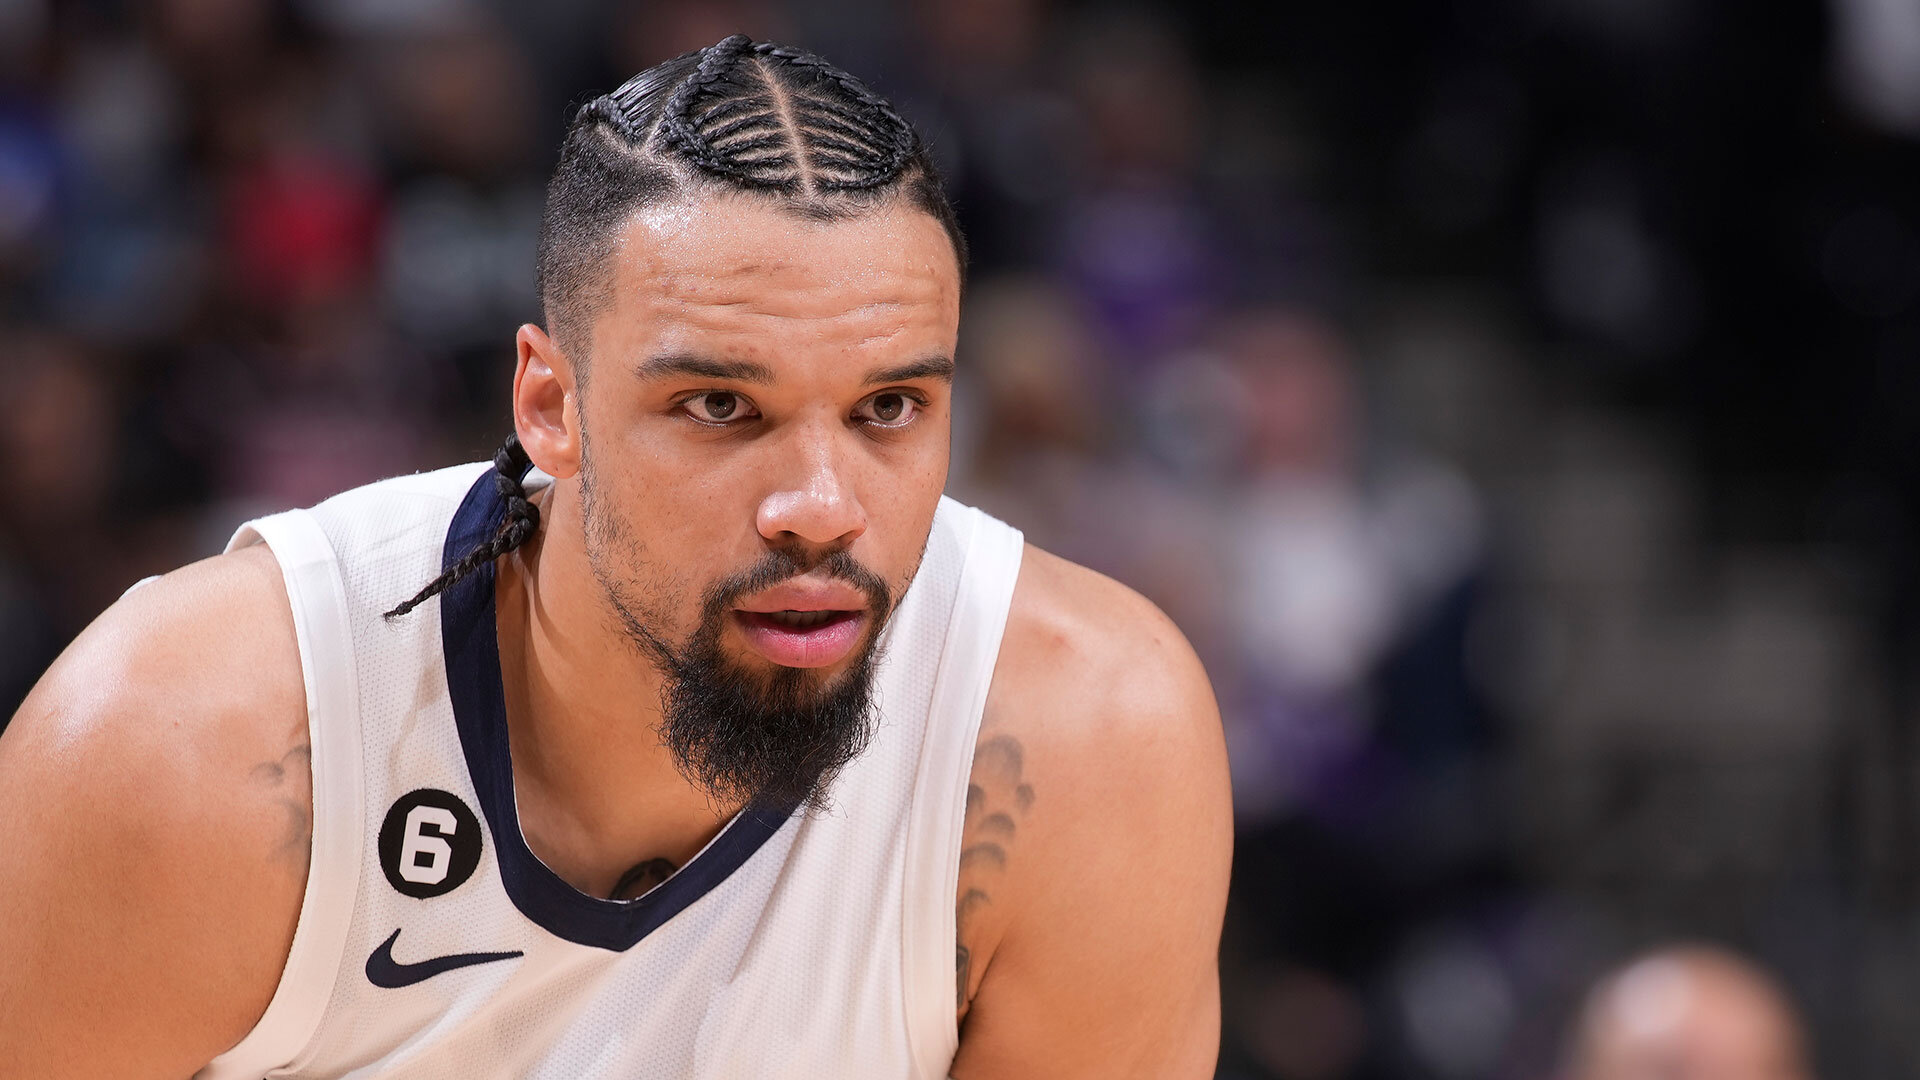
{"x": 414, "y": 843}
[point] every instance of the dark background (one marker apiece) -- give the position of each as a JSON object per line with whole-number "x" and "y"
{"x": 1514, "y": 401}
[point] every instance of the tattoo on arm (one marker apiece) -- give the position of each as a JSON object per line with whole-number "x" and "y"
{"x": 963, "y": 964}
{"x": 290, "y": 777}
{"x": 997, "y": 800}
{"x": 643, "y": 877}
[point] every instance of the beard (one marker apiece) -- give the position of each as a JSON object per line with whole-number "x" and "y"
{"x": 747, "y": 736}
{"x": 777, "y": 738}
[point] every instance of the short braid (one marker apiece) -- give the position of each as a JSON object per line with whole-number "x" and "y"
{"x": 510, "y": 465}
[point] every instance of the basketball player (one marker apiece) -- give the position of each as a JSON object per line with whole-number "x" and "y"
{"x": 696, "y": 735}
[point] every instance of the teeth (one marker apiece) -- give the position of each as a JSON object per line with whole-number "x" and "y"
{"x": 800, "y": 620}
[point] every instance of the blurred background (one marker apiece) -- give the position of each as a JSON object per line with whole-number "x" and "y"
{"x": 1516, "y": 401}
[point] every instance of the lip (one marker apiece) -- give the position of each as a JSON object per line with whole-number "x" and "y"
{"x": 812, "y": 647}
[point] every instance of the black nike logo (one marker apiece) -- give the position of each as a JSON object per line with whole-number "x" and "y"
{"x": 384, "y": 971}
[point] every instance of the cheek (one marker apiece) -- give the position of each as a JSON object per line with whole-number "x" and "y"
{"x": 677, "y": 490}
{"x": 641, "y": 539}
{"x": 900, "y": 506}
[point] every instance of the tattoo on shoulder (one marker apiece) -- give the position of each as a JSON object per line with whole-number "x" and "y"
{"x": 998, "y": 800}
{"x": 290, "y": 780}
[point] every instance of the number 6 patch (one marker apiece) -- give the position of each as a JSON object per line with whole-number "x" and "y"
{"x": 430, "y": 843}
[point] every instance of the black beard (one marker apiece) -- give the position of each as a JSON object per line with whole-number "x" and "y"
{"x": 773, "y": 739}
{"x": 776, "y": 740}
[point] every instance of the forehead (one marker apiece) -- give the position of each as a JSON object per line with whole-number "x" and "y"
{"x": 745, "y": 267}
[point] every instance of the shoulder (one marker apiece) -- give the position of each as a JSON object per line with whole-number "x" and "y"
{"x": 184, "y": 674}
{"x": 155, "y": 778}
{"x": 1094, "y": 649}
{"x": 1097, "y": 839}
{"x": 1096, "y": 681}
{"x": 202, "y": 661}
{"x": 1112, "y": 709}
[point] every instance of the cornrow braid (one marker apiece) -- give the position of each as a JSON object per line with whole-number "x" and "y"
{"x": 606, "y": 109}
{"x": 737, "y": 115}
{"x": 767, "y": 117}
{"x": 510, "y": 465}
{"x": 755, "y": 125}
{"x": 874, "y": 142}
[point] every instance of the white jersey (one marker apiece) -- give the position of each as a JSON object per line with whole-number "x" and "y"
{"x": 433, "y": 944}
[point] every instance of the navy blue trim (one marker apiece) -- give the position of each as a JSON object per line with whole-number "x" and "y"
{"x": 480, "y": 711}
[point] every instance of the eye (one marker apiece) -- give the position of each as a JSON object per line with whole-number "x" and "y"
{"x": 889, "y": 408}
{"x": 718, "y": 407}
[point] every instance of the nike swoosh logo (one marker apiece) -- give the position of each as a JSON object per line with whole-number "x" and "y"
{"x": 385, "y": 972}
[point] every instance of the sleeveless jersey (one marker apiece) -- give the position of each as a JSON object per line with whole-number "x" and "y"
{"x": 432, "y": 944}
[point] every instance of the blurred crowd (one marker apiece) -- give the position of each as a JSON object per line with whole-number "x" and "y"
{"x": 1513, "y": 400}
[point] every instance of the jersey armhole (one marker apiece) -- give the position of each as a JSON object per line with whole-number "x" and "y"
{"x": 319, "y": 602}
{"x": 974, "y": 631}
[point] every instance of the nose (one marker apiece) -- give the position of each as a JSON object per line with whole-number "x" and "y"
{"x": 815, "y": 504}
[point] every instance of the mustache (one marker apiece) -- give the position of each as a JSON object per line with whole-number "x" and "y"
{"x": 784, "y": 564}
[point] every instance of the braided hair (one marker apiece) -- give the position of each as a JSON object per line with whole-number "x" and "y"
{"x": 738, "y": 115}
{"x": 510, "y": 465}
{"x": 791, "y": 123}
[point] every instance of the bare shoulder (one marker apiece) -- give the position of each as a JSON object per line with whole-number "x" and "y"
{"x": 156, "y": 782}
{"x": 1077, "y": 637}
{"x": 1097, "y": 840}
{"x": 188, "y": 672}
{"x": 1098, "y": 685}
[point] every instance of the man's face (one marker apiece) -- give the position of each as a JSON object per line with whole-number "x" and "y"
{"x": 766, "y": 424}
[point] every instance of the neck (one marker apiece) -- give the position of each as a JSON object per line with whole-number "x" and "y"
{"x": 598, "y": 794}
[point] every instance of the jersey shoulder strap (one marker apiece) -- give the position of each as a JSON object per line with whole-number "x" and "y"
{"x": 320, "y": 551}
{"x": 987, "y": 568}
{"x": 315, "y": 593}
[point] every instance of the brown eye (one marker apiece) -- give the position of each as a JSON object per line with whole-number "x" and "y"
{"x": 891, "y": 409}
{"x": 718, "y": 405}
{"x": 718, "y": 408}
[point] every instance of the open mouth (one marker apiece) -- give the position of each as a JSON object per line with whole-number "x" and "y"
{"x": 803, "y": 620}
{"x": 805, "y": 639}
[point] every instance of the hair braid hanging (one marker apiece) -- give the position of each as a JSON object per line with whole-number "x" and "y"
{"x": 510, "y": 465}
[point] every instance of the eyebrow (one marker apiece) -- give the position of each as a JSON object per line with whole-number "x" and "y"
{"x": 703, "y": 367}
{"x": 933, "y": 367}
{"x": 686, "y": 365}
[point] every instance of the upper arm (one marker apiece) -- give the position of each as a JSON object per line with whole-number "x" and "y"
{"x": 1111, "y": 885}
{"x": 154, "y": 829}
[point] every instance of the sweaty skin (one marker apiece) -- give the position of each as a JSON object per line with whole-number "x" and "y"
{"x": 753, "y": 379}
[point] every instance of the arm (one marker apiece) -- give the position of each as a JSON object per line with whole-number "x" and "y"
{"x": 154, "y": 830}
{"x": 1095, "y": 855}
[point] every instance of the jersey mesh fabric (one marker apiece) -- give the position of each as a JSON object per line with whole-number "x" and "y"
{"x": 796, "y": 964}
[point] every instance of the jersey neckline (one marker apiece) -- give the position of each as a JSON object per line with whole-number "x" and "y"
{"x": 472, "y": 650}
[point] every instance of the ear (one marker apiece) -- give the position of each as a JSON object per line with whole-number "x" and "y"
{"x": 546, "y": 405}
